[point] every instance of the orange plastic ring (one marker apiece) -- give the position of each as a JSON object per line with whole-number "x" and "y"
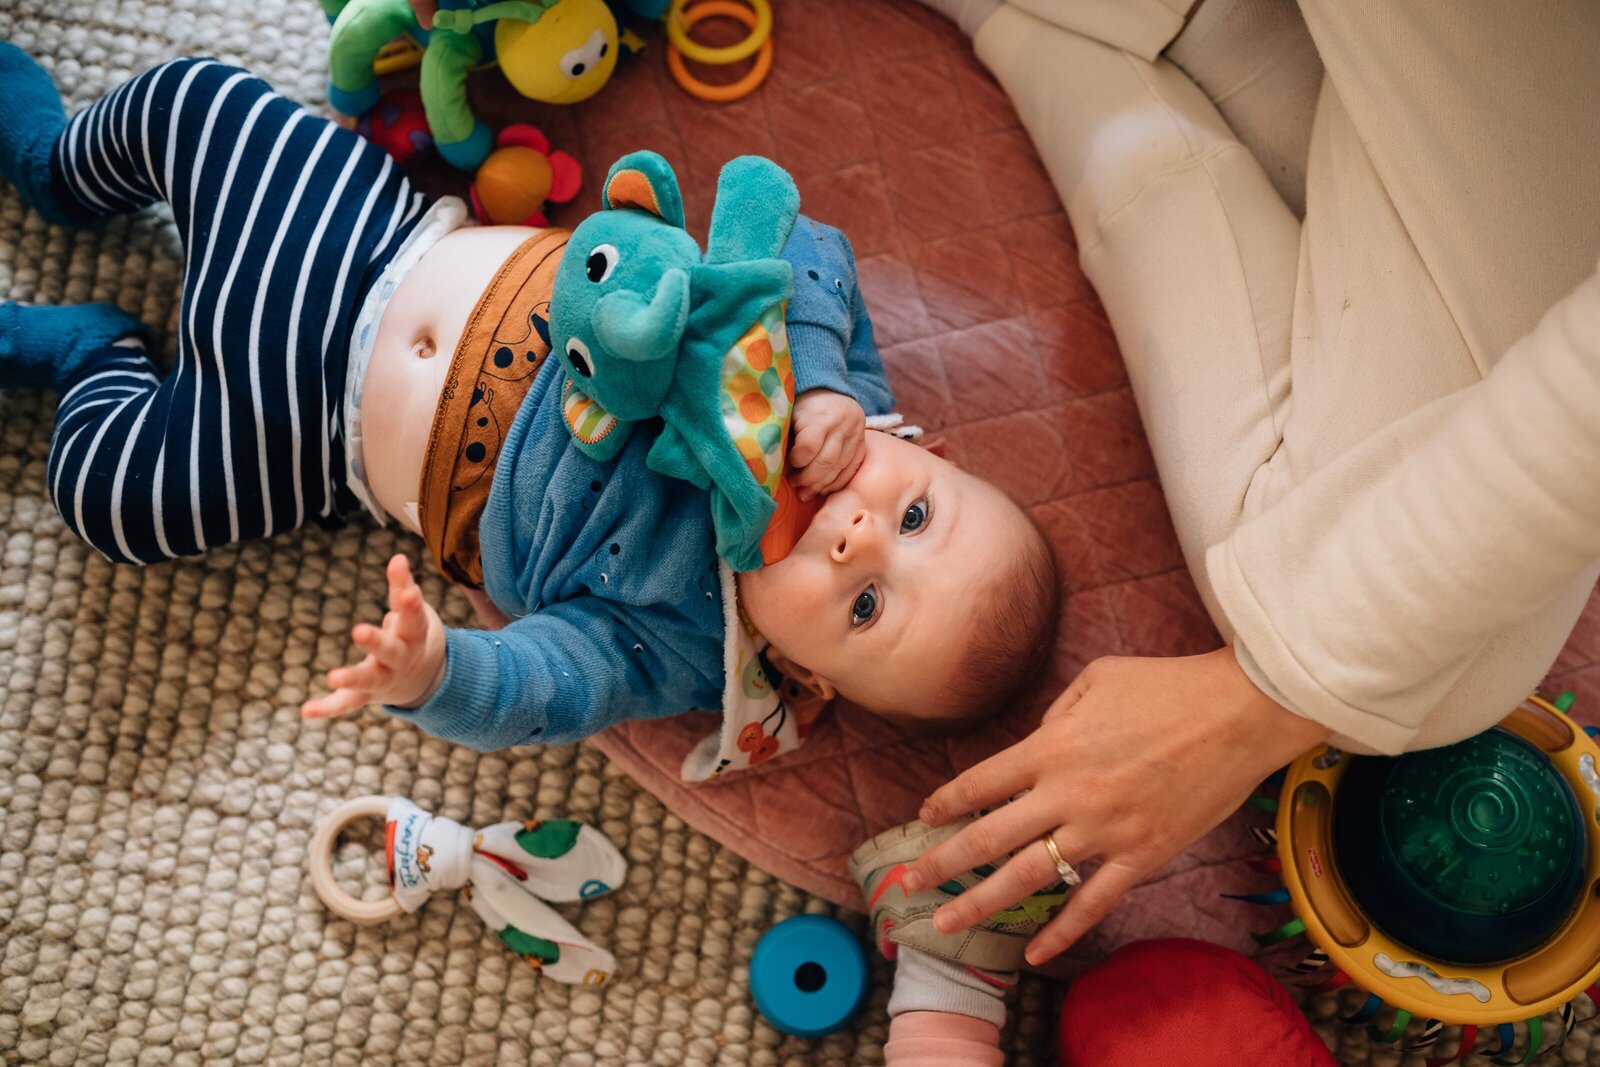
{"x": 678, "y": 33}
{"x": 720, "y": 94}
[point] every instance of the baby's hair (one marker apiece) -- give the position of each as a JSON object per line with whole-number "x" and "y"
{"x": 1013, "y": 633}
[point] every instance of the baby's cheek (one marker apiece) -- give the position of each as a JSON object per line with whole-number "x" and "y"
{"x": 783, "y": 602}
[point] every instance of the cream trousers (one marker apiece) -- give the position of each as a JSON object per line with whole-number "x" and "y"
{"x": 1378, "y": 430}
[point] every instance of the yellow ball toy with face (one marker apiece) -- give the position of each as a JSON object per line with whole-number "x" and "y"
{"x": 564, "y": 57}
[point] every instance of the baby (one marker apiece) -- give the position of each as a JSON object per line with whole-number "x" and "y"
{"x": 343, "y": 344}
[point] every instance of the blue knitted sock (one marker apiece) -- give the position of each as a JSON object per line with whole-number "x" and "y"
{"x": 42, "y": 346}
{"x": 31, "y": 117}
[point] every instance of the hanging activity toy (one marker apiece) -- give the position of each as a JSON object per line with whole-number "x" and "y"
{"x": 555, "y": 52}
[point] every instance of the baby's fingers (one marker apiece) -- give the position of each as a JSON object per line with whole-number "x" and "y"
{"x": 808, "y": 441}
{"x": 386, "y": 645}
{"x": 406, "y": 619}
{"x": 338, "y": 702}
{"x": 846, "y": 472}
{"x": 368, "y": 675}
{"x": 398, "y": 572}
{"x": 821, "y": 471}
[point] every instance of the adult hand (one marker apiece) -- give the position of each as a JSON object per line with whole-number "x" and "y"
{"x": 1134, "y": 762}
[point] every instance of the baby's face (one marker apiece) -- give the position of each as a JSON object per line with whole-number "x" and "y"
{"x": 874, "y": 603}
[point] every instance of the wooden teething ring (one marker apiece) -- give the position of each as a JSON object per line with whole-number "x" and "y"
{"x": 755, "y": 20}
{"x": 341, "y": 903}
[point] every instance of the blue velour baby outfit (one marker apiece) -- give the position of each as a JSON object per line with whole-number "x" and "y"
{"x": 609, "y": 568}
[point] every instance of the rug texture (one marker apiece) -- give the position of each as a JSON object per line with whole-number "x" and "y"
{"x": 158, "y": 791}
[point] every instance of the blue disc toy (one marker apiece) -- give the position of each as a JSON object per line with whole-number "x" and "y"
{"x": 808, "y": 976}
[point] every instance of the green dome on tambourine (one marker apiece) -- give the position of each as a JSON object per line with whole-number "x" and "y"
{"x": 1473, "y": 853}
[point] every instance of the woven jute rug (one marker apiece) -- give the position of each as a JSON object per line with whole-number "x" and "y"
{"x": 158, "y": 790}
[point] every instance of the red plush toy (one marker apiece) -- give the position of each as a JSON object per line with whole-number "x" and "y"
{"x": 1188, "y": 1002}
{"x": 398, "y": 126}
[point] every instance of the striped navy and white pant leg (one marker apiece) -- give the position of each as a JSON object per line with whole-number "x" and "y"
{"x": 286, "y": 220}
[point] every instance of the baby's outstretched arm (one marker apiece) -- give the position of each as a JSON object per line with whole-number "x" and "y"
{"x": 405, "y": 659}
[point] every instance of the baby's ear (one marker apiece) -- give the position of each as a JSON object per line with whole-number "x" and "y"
{"x": 804, "y": 677}
{"x": 645, "y": 181}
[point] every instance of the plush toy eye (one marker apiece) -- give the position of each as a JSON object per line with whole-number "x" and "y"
{"x": 602, "y": 261}
{"x": 578, "y": 356}
{"x": 583, "y": 58}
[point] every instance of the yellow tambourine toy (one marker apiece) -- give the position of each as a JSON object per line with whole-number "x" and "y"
{"x": 1455, "y": 886}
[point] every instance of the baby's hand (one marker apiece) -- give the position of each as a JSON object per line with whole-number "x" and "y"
{"x": 405, "y": 659}
{"x": 830, "y": 441}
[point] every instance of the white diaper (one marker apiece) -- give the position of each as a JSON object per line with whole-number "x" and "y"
{"x": 447, "y": 215}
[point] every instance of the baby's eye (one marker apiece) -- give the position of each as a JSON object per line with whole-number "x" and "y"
{"x": 865, "y": 606}
{"x": 915, "y": 518}
{"x": 601, "y": 262}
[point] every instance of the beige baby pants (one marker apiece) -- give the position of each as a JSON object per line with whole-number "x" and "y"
{"x": 1391, "y": 540}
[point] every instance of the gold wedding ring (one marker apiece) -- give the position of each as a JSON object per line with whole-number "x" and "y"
{"x": 1069, "y": 876}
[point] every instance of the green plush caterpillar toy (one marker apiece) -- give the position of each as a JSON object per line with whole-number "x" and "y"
{"x": 554, "y": 51}
{"x": 646, "y": 326}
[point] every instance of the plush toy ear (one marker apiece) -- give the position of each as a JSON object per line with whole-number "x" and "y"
{"x": 645, "y": 181}
{"x": 757, "y": 203}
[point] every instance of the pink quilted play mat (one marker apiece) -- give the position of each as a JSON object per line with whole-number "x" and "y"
{"x": 996, "y": 343}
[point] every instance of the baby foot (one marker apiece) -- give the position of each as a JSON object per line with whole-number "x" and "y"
{"x": 900, "y": 917}
{"x": 44, "y": 346}
{"x": 31, "y": 118}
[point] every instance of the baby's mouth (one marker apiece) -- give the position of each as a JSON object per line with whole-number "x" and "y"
{"x": 790, "y": 523}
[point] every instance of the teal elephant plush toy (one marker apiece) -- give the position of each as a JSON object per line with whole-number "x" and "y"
{"x": 647, "y": 327}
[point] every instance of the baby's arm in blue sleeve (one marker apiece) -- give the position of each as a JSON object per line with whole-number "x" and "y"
{"x": 559, "y": 675}
{"x": 830, "y": 332}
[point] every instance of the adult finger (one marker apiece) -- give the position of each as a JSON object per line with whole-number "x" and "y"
{"x": 1087, "y": 905}
{"x": 1000, "y": 777}
{"x": 987, "y": 840}
{"x": 1074, "y": 692}
{"x": 386, "y": 645}
{"x": 1025, "y": 873}
{"x": 337, "y": 702}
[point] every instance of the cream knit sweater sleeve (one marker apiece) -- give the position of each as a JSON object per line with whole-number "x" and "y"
{"x": 1362, "y": 596}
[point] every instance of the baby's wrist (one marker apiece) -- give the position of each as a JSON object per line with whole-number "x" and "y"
{"x": 436, "y": 680}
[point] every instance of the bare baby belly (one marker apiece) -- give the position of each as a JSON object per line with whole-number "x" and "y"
{"x": 417, "y": 338}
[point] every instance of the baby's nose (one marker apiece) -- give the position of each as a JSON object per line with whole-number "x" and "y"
{"x": 855, "y": 537}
